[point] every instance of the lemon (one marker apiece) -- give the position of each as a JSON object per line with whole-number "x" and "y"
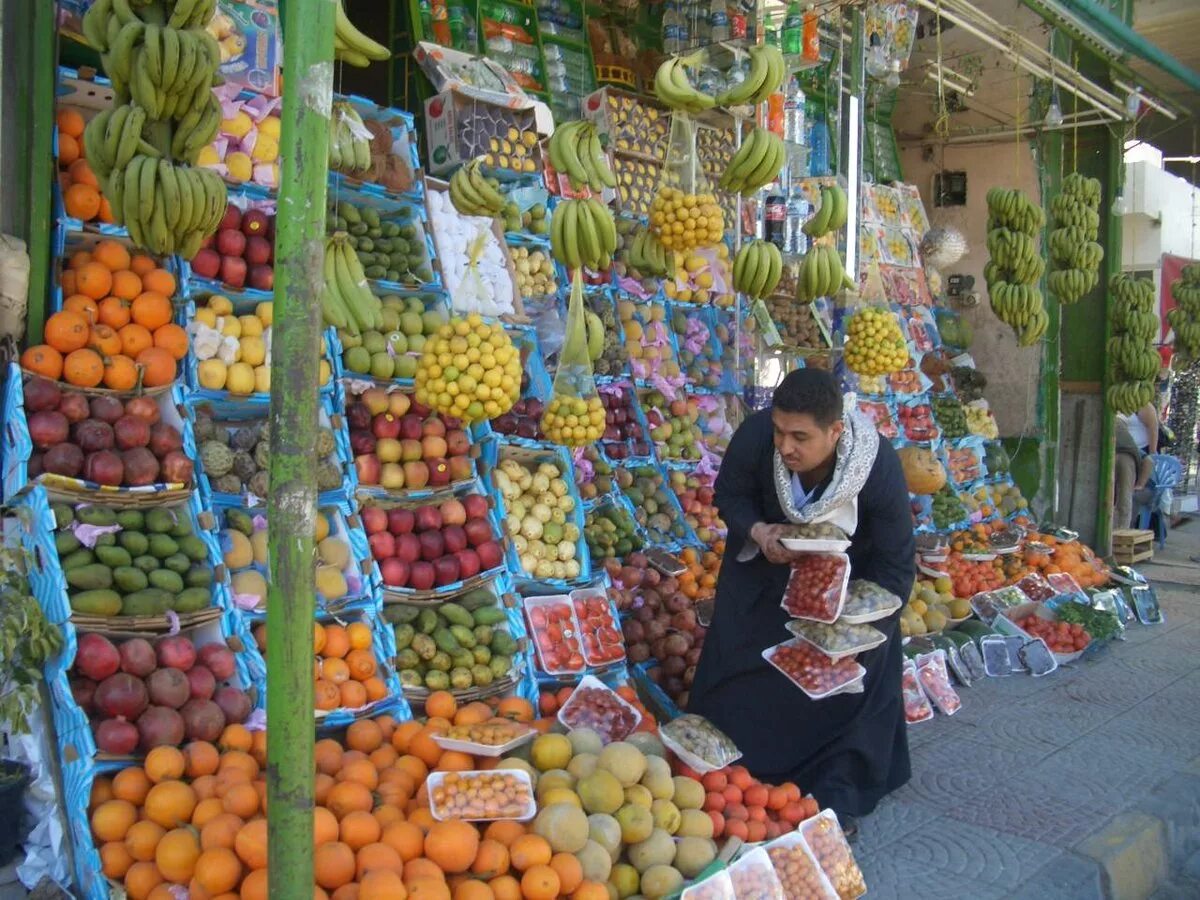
{"x": 240, "y": 166}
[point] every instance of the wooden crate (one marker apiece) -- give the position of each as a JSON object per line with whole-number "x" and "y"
{"x": 1131, "y": 545}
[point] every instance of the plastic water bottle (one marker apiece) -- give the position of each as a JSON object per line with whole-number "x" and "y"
{"x": 718, "y": 21}
{"x": 793, "y": 29}
{"x": 672, "y": 23}
{"x": 793, "y": 114}
{"x": 795, "y": 241}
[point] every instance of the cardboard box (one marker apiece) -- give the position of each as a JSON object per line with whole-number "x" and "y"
{"x": 251, "y": 43}
{"x": 459, "y": 126}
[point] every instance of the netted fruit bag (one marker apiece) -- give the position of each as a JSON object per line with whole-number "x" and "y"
{"x": 574, "y": 416}
{"x": 684, "y": 214}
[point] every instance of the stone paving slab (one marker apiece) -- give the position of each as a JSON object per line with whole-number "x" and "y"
{"x": 1007, "y": 792}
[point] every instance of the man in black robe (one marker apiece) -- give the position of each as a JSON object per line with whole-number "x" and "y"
{"x": 803, "y": 459}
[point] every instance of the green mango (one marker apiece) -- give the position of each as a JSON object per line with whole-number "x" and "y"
{"x": 455, "y": 614}
{"x": 114, "y": 556}
{"x": 131, "y": 519}
{"x": 424, "y": 646}
{"x": 483, "y": 635}
{"x": 239, "y": 520}
{"x": 192, "y": 599}
{"x": 400, "y": 613}
{"x": 407, "y": 659}
{"x": 64, "y": 516}
{"x": 441, "y": 661}
{"x": 482, "y": 675}
{"x": 500, "y": 666}
{"x": 81, "y": 557}
{"x": 169, "y": 581}
{"x": 463, "y": 659}
{"x": 162, "y": 546}
{"x": 194, "y": 548}
{"x": 65, "y": 543}
{"x": 436, "y": 680}
{"x": 90, "y": 578}
{"x": 178, "y": 564}
{"x": 145, "y": 562}
{"x": 129, "y": 579}
{"x": 198, "y": 576}
{"x": 160, "y": 521}
{"x": 503, "y": 642}
{"x": 106, "y": 540}
{"x": 482, "y": 654}
{"x": 96, "y": 603}
{"x": 445, "y": 640}
{"x": 404, "y": 636}
{"x": 464, "y": 636}
{"x": 148, "y": 602}
{"x": 134, "y": 541}
{"x": 427, "y": 621}
{"x": 183, "y": 527}
{"x": 487, "y": 615}
{"x": 96, "y": 515}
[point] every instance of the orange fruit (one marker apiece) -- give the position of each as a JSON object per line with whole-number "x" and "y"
{"x": 540, "y": 883}
{"x": 126, "y": 284}
{"x": 82, "y": 201}
{"x": 160, "y": 281}
{"x": 112, "y": 254}
{"x": 69, "y": 122}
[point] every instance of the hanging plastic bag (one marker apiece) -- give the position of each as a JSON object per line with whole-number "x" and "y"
{"x": 472, "y": 293}
{"x": 575, "y": 414}
{"x": 684, "y": 214}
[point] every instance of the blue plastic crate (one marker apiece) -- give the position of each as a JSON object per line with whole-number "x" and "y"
{"x": 432, "y": 300}
{"x": 79, "y": 774}
{"x": 673, "y": 511}
{"x": 384, "y": 648}
{"x": 505, "y": 449}
{"x": 256, "y": 408}
{"x": 359, "y": 572}
{"x": 656, "y": 699}
{"x": 404, "y": 142}
{"x": 619, "y": 502}
{"x": 400, "y": 209}
{"x": 71, "y": 237}
{"x": 18, "y": 447}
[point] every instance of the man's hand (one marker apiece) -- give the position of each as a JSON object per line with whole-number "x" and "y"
{"x": 767, "y": 537}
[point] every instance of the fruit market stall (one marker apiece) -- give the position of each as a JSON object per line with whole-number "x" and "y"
{"x": 528, "y": 374}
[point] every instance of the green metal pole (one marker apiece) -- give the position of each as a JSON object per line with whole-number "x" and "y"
{"x": 291, "y": 505}
{"x": 1112, "y": 265}
{"x": 40, "y": 167}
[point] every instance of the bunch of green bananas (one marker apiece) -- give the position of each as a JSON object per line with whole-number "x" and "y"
{"x": 349, "y": 141}
{"x": 1133, "y": 361}
{"x": 473, "y": 194}
{"x": 673, "y": 87}
{"x": 756, "y": 163}
{"x": 757, "y": 269}
{"x": 1016, "y": 265}
{"x": 766, "y": 75}
{"x": 352, "y": 46}
{"x": 1072, "y": 244}
{"x": 1184, "y": 319}
{"x": 163, "y": 65}
{"x": 583, "y": 233}
{"x": 822, "y": 274}
{"x": 167, "y": 208}
{"x": 347, "y": 301}
{"x": 575, "y": 150}
{"x": 830, "y": 215}
{"x": 648, "y": 256}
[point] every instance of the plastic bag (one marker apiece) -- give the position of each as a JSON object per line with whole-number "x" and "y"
{"x": 816, "y": 588}
{"x": 574, "y": 416}
{"x": 699, "y": 743}
{"x": 935, "y": 681}
{"x": 684, "y": 214}
{"x": 839, "y": 639}
{"x": 472, "y": 293}
{"x": 868, "y": 602}
{"x": 916, "y": 704}
{"x": 823, "y": 834}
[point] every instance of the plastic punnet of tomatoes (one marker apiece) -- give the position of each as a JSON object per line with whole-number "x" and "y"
{"x": 814, "y": 672}
{"x": 594, "y": 705}
{"x": 916, "y": 704}
{"x": 935, "y": 681}
{"x": 824, "y": 837}
{"x": 797, "y": 869}
{"x": 1061, "y": 637}
{"x": 717, "y": 887}
{"x": 599, "y": 632}
{"x": 555, "y": 634}
{"x": 816, "y": 588}
{"x": 754, "y": 876}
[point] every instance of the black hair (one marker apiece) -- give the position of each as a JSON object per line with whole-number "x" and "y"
{"x": 812, "y": 391}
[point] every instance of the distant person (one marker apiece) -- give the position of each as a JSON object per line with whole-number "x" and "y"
{"x": 1143, "y": 428}
{"x": 1132, "y": 470}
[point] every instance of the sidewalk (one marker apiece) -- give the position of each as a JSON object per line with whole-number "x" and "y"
{"x": 1083, "y": 784}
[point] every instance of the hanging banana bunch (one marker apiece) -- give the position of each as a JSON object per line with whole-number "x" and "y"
{"x": 1133, "y": 361}
{"x": 1184, "y": 319}
{"x": 1016, "y": 265}
{"x": 1073, "y": 247}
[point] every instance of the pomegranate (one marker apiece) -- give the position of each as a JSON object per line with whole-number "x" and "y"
{"x": 176, "y": 652}
{"x": 137, "y": 657}
{"x": 104, "y": 467}
{"x": 41, "y": 394}
{"x": 234, "y": 704}
{"x": 145, "y": 408}
{"x": 168, "y": 687}
{"x": 107, "y": 409}
{"x": 121, "y": 695}
{"x": 96, "y": 657}
{"x": 201, "y": 682}
{"x": 164, "y": 438}
{"x": 203, "y": 720}
{"x": 141, "y": 466}
{"x": 116, "y": 736}
{"x": 177, "y": 468}
{"x": 82, "y": 692}
{"x": 74, "y": 407}
{"x": 47, "y": 428}
{"x": 63, "y": 459}
{"x": 92, "y": 435}
{"x": 218, "y": 658}
{"x": 130, "y": 432}
{"x": 159, "y": 726}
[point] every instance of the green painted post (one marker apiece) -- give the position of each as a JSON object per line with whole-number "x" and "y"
{"x": 39, "y": 164}
{"x": 1112, "y": 265}
{"x": 291, "y": 505}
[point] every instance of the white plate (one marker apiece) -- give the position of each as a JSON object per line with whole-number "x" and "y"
{"x": 483, "y": 749}
{"x": 814, "y": 545}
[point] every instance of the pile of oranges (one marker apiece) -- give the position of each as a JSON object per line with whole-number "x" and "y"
{"x": 80, "y": 187}
{"x": 1070, "y": 557}
{"x": 699, "y": 582}
{"x": 345, "y": 670}
{"x": 115, "y": 329}
{"x": 195, "y": 818}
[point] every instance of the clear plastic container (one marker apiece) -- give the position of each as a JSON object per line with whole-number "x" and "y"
{"x": 485, "y": 739}
{"x": 996, "y": 661}
{"x": 754, "y": 876}
{"x": 990, "y": 604}
{"x": 867, "y": 602}
{"x": 839, "y": 639}
{"x": 698, "y": 743}
{"x": 599, "y": 633}
{"x": 817, "y": 537}
{"x": 719, "y": 886}
{"x": 459, "y": 795}
{"x": 595, "y": 705}
{"x": 797, "y": 869}
{"x": 555, "y": 634}
{"x": 1036, "y": 588}
{"x": 1037, "y": 658}
{"x": 824, "y": 837}
{"x": 916, "y": 705}
{"x": 814, "y": 672}
{"x": 935, "y": 681}
{"x": 816, "y": 588}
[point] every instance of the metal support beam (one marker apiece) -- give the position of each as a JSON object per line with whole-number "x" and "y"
{"x": 292, "y": 500}
{"x": 1112, "y": 265}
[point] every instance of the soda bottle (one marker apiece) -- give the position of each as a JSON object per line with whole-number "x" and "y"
{"x": 426, "y": 20}
{"x": 775, "y": 218}
{"x": 775, "y": 113}
{"x": 793, "y": 26}
{"x": 811, "y": 42}
{"x": 441, "y": 25}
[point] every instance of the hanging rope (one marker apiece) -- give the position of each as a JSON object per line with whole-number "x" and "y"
{"x": 941, "y": 125}
{"x": 1075, "y": 120}
{"x": 1017, "y": 140}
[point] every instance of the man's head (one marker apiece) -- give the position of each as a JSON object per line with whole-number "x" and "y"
{"x": 807, "y": 413}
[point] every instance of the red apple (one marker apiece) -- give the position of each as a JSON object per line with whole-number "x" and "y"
{"x": 388, "y": 450}
{"x": 490, "y": 554}
{"x": 401, "y": 521}
{"x": 439, "y": 472}
{"x": 477, "y": 531}
{"x": 408, "y": 548}
{"x": 231, "y": 219}
{"x": 367, "y": 467}
{"x": 446, "y": 570}
{"x": 391, "y": 476}
{"x": 476, "y": 506}
{"x": 262, "y": 278}
{"x": 399, "y": 404}
{"x": 395, "y": 572}
{"x": 254, "y": 221}
{"x": 410, "y": 427}
{"x": 433, "y": 426}
{"x": 233, "y": 271}
{"x": 382, "y": 545}
{"x": 453, "y": 513}
{"x": 420, "y": 410}
{"x": 410, "y": 450}
{"x": 258, "y": 250}
{"x": 459, "y": 468}
{"x": 428, "y": 518}
{"x": 468, "y": 563}
{"x": 457, "y": 442}
{"x": 432, "y": 545}
{"x": 416, "y": 474}
{"x": 375, "y": 400}
{"x": 433, "y": 446}
{"x": 231, "y": 243}
{"x": 374, "y": 519}
{"x": 207, "y": 263}
{"x": 422, "y": 576}
{"x": 455, "y": 538}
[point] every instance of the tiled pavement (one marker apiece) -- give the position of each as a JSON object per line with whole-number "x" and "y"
{"x": 1083, "y": 784}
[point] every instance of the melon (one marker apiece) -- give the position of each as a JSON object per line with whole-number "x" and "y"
{"x": 923, "y": 471}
